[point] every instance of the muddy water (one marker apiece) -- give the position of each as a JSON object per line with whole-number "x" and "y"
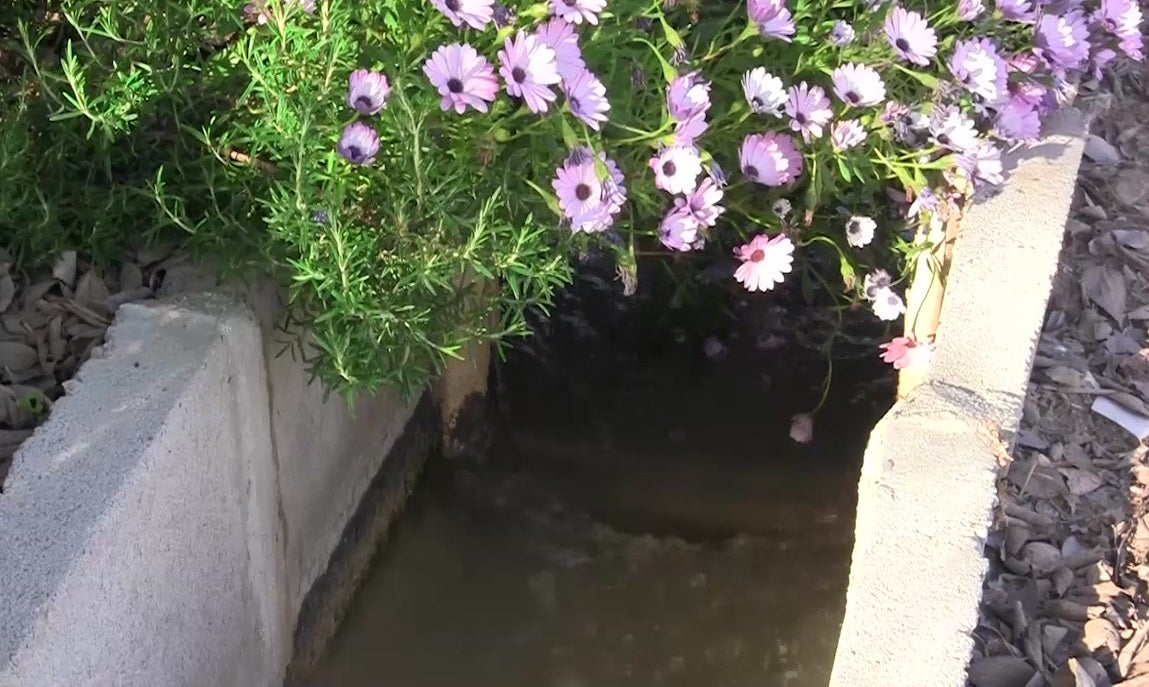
{"x": 651, "y": 525}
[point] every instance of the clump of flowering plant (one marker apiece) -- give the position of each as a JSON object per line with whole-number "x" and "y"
{"x": 484, "y": 138}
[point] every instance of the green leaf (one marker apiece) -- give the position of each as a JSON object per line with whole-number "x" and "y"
{"x": 668, "y": 72}
{"x": 570, "y": 138}
{"x": 843, "y": 169}
{"x": 926, "y": 80}
{"x": 548, "y": 198}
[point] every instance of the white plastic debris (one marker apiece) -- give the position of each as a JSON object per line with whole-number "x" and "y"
{"x": 1134, "y": 423}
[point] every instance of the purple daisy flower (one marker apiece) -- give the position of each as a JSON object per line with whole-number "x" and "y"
{"x": 462, "y": 76}
{"x": 367, "y": 91}
{"x": 770, "y": 159}
{"x": 858, "y": 85}
{"x": 951, "y": 129}
{"x": 359, "y": 144}
{"x": 809, "y": 110}
{"x": 578, "y": 11}
{"x": 1020, "y": 11}
{"x": 764, "y": 92}
{"x": 502, "y": 15}
{"x": 703, "y": 203}
{"x": 847, "y": 134}
{"x": 842, "y": 33}
{"x": 676, "y": 169}
{"x": 1032, "y": 93}
{"x": 1018, "y": 121}
{"x": 560, "y": 35}
{"x": 612, "y": 197}
{"x": 772, "y": 18}
{"x": 977, "y": 66}
{"x": 473, "y": 13}
{"x": 1100, "y": 60}
{"x": 687, "y": 95}
{"x": 926, "y": 200}
{"x": 968, "y": 10}
{"x": 1063, "y": 40}
{"x": 579, "y": 190}
{"x": 1122, "y": 18}
{"x": 529, "y": 70}
{"x": 910, "y": 36}
{"x": 586, "y": 98}
{"x": 982, "y": 164}
{"x": 679, "y": 231}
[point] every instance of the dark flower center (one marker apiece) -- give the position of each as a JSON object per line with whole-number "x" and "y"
{"x": 800, "y": 118}
{"x": 943, "y": 139}
{"x": 519, "y": 74}
{"x": 354, "y": 152}
{"x": 576, "y": 106}
{"x": 452, "y": 5}
{"x": 854, "y": 227}
{"x": 582, "y": 191}
{"x": 757, "y": 103}
{"x": 454, "y": 85}
{"x": 853, "y": 97}
{"x": 570, "y": 3}
{"x": 750, "y": 171}
{"x": 892, "y": 299}
{"x": 902, "y": 44}
{"x": 364, "y": 101}
{"x": 757, "y": 256}
{"x": 669, "y": 168}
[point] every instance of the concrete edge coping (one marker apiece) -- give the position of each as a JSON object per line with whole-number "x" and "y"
{"x": 928, "y": 480}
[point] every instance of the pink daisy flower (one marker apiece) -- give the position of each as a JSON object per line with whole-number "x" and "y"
{"x": 770, "y": 159}
{"x": 765, "y": 262}
{"x": 529, "y": 69}
{"x": 588, "y": 202}
{"x": 578, "y": 11}
{"x": 473, "y": 13}
{"x": 676, "y": 169}
{"x": 586, "y": 97}
{"x": 561, "y": 37}
{"x": 903, "y": 352}
{"x": 462, "y": 76}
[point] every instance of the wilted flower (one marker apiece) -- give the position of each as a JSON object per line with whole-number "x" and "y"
{"x": 802, "y": 428}
{"x": 860, "y": 231}
{"x": 586, "y": 97}
{"x": 367, "y": 91}
{"x": 770, "y": 159}
{"x": 888, "y": 305}
{"x": 910, "y": 36}
{"x": 717, "y": 174}
{"x": 560, "y": 36}
{"x": 977, "y": 66}
{"x": 809, "y": 110}
{"x": 982, "y": 164}
{"x": 473, "y": 13}
{"x": 645, "y": 24}
{"x": 1017, "y": 120}
{"x": 858, "y": 85}
{"x": 781, "y": 208}
{"x": 926, "y": 200}
{"x": 772, "y": 18}
{"x": 951, "y": 129}
{"x": 679, "y": 56}
{"x": 679, "y": 231}
{"x": 703, "y": 203}
{"x": 578, "y": 11}
{"x": 359, "y": 144}
{"x": 1100, "y": 61}
{"x": 319, "y": 217}
{"x": 906, "y": 352}
{"x": 968, "y": 10}
{"x": 1063, "y": 41}
{"x": 765, "y": 262}
{"x": 713, "y": 348}
{"x": 462, "y": 76}
{"x": 529, "y": 70}
{"x": 842, "y": 33}
{"x": 847, "y": 134}
{"x": 764, "y": 91}
{"x": 676, "y": 169}
{"x": 502, "y": 15}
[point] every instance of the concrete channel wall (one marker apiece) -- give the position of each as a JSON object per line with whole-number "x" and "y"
{"x": 928, "y": 480}
{"x": 193, "y": 512}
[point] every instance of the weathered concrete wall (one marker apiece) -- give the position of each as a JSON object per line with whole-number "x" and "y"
{"x": 928, "y": 479}
{"x": 166, "y": 524}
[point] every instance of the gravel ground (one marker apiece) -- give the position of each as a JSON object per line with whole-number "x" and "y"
{"x": 1065, "y": 600}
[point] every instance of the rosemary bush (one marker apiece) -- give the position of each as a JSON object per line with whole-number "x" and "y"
{"x": 383, "y": 157}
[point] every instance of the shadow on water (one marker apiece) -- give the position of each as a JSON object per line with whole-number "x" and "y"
{"x": 642, "y": 519}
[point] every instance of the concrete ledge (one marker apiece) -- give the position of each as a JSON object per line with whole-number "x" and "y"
{"x": 927, "y": 483}
{"x": 166, "y": 524}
